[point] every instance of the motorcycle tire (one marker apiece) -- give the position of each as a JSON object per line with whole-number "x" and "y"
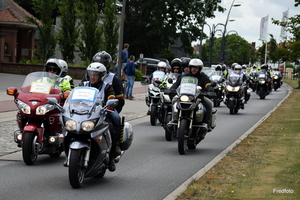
{"x": 153, "y": 115}
{"x": 168, "y": 134}
{"x": 231, "y": 107}
{"x": 261, "y": 93}
{"x": 76, "y": 168}
{"x": 29, "y": 148}
{"x": 181, "y": 132}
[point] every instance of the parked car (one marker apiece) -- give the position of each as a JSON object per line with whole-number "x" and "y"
{"x": 151, "y": 64}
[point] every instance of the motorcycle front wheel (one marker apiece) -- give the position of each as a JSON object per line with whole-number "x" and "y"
{"x": 181, "y": 132}
{"x": 231, "y": 107}
{"x": 30, "y": 148}
{"x": 76, "y": 168}
{"x": 153, "y": 115}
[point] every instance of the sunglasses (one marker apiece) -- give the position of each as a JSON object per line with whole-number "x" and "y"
{"x": 176, "y": 68}
{"x": 52, "y": 70}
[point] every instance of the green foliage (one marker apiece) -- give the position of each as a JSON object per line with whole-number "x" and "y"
{"x": 151, "y": 26}
{"x": 46, "y": 33}
{"x": 138, "y": 75}
{"x": 289, "y": 66}
{"x": 68, "y": 33}
{"x": 34, "y": 60}
{"x": 110, "y": 29}
{"x": 89, "y": 31}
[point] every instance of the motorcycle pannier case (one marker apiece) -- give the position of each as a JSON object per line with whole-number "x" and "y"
{"x": 214, "y": 118}
{"x": 127, "y": 138}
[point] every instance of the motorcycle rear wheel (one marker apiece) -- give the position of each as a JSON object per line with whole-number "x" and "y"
{"x": 181, "y": 132}
{"x": 153, "y": 115}
{"x": 29, "y": 148}
{"x": 168, "y": 134}
{"x": 76, "y": 168}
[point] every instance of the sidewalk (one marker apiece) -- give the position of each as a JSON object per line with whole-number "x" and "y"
{"x": 132, "y": 109}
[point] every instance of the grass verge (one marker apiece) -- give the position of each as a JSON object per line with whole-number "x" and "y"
{"x": 265, "y": 165}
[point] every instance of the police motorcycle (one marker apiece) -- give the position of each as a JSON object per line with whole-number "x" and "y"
{"x": 153, "y": 96}
{"x": 235, "y": 88}
{"x": 166, "y": 104}
{"x": 263, "y": 86}
{"x": 39, "y": 126}
{"x": 188, "y": 114}
{"x": 217, "y": 77}
{"x": 86, "y": 135}
{"x": 276, "y": 81}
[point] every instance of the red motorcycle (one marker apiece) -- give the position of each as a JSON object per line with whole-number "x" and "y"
{"x": 39, "y": 127}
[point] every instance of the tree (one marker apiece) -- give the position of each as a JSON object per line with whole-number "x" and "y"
{"x": 151, "y": 26}
{"x": 46, "y": 33}
{"x": 68, "y": 33}
{"x": 110, "y": 28}
{"x": 89, "y": 30}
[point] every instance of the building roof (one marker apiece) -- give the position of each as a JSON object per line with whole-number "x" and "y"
{"x": 15, "y": 14}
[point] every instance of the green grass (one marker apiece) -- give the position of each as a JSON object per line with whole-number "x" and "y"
{"x": 263, "y": 165}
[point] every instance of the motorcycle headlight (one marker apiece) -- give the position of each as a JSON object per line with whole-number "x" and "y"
{"x": 184, "y": 98}
{"x": 25, "y": 108}
{"x": 232, "y": 89}
{"x": 262, "y": 81}
{"x": 70, "y": 125}
{"x": 275, "y": 77}
{"x": 87, "y": 126}
{"x": 43, "y": 109}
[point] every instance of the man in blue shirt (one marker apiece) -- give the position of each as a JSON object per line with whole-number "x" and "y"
{"x": 129, "y": 70}
{"x": 124, "y": 58}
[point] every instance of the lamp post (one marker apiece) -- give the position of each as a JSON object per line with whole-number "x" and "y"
{"x": 213, "y": 30}
{"x": 223, "y": 43}
{"x": 202, "y": 25}
{"x": 121, "y": 39}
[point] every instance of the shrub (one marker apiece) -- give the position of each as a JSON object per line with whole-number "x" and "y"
{"x": 138, "y": 75}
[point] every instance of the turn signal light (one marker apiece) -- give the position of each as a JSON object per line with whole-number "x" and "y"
{"x": 11, "y": 91}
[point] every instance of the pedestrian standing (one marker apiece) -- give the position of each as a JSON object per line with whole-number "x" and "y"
{"x": 124, "y": 59}
{"x": 129, "y": 70}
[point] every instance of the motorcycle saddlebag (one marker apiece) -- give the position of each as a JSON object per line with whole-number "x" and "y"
{"x": 214, "y": 118}
{"x": 127, "y": 138}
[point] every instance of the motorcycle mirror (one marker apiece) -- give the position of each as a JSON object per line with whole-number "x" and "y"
{"x": 66, "y": 94}
{"x": 52, "y": 100}
{"x": 11, "y": 91}
{"x": 199, "y": 87}
{"x": 112, "y": 103}
{"x": 170, "y": 80}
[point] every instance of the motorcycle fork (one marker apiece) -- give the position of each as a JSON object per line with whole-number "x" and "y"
{"x": 189, "y": 118}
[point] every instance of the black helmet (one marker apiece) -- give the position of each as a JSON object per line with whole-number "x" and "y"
{"x": 104, "y": 58}
{"x": 185, "y": 62}
{"x": 176, "y": 62}
{"x": 264, "y": 66}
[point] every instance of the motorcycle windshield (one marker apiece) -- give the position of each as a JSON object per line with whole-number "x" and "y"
{"x": 216, "y": 76}
{"x": 41, "y": 82}
{"x": 234, "y": 79}
{"x": 82, "y": 99}
{"x": 188, "y": 86}
{"x": 158, "y": 76}
{"x": 261, "y": 75}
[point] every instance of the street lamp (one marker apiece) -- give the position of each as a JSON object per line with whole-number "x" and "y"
{"x": 223, "y": 44}
{"x": 202, "y": 25}
{"x": 213, "y": 30}
{"x": 121, "y": 39}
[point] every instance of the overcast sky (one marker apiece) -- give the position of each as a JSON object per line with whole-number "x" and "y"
{"x": 248, "y": 16}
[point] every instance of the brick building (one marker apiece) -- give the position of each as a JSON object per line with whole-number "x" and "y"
{"x": 17, "y": 37}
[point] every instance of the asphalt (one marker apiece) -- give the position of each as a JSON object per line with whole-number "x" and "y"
{"x": 132, "y": 109}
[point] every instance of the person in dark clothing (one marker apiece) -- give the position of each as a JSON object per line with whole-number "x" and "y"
{"x": 196, "y": 65}
{"x": 95, "y": 77}
{"x": 129, "y": 70}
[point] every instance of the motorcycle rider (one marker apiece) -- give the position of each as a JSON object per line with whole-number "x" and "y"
{"x": 238, "y": 70}
{"x": 105, "y": 58}
{"x": 97, "y": 76}
{"x": 175, "y": 71}
{"x": 53, "y": 66}
{"x": 64, "y": 69}
{"x": 196, "y": 66}
{"x": 185, "y": 65}
{"x": 264, "y": 69}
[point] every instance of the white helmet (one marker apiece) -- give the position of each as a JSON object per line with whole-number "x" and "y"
{"x": 96, "y": 69}
{"x": 237, "y": 67}
{"x": 54, "y": 64}
{"x": 162, "y": 64}
{"x": 64, "y": 66}
{"x": 195, "y": 62}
